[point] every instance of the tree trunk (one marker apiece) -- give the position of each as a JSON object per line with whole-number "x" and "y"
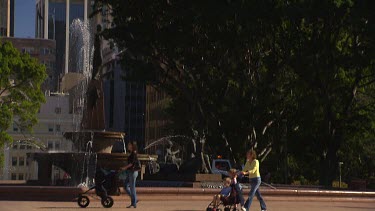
{"x": 329, "y": 164}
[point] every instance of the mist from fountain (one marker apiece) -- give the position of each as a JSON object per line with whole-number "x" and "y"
{"x": 169, "y": 138}
{"x": 36, "y": 143}
{"x": 80, "y": 61}
{"x": 6, "y": 170}
{"x": 123, "y": 142}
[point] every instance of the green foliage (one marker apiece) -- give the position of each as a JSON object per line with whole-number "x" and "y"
{"x": 20, "y": 90}
{"x": 294, "y": 77}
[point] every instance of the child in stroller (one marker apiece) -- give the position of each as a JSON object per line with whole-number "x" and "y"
{"x": 105, "y": 185}
{"x": 231, "y": 194}
{"x": 226, "y": 198}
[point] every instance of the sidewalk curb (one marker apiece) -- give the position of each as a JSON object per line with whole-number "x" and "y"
{"x": 54, "y": 193}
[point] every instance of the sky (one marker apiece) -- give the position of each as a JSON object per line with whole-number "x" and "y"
{"x": 24, "y": 18}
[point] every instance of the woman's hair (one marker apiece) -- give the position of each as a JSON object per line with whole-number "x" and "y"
{"x": 253, "y": 153}
{"x": 134, "y": 145}
{"x": 232, "y": 171}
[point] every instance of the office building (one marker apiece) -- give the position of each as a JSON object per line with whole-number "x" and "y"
{"x": 7, "y": 18}
{"x": 156, "y": 118}
{"x": 54, "y": 119}
{"x": 50, "y": 23}
{"x": 124, "y": 101}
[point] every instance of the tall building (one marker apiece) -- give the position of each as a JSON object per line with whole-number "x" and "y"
{"x": 124, "y": 101}
{"x": 51, "y": 21}
{"x": 156, "y": 124}
{"x": 6, "y": 18}
{"x": 54, "y": 119}
{"x": 42, "y": 49}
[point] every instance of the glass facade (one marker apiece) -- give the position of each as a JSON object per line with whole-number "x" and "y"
{"x": 57, "y": 24}
{"x": 56, "y": 31}
{"x": 125, "y": 104}
{"x": 7, "y": 18}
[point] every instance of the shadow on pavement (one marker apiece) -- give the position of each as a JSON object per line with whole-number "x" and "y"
{"x": 356, "y": 207}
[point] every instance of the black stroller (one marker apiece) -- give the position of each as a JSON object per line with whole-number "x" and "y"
{"x": 105, "y": 185}
{"x": 228, "y": 203}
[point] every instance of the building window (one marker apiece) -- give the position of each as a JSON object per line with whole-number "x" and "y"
{"x": 21, "y": 161}
{"x": 57, "y": 145}
{"x": 58, "y": 128}
{"x": 15, "y": 128}
{"x": 28, "y": 50}
{"x": 29, "y": 147}
{"x": 58, "y": 110}
{"x": 22, "y": 146}
{"x": 15, "y": 146}
{"x": 14, "y": 176}
{"x": 14, "y": 161}
{"x": 50, "y": 145}
{"x": 20, "y": 176}
{"x": 50, "y": 128}
{"x": 44, "y": 51}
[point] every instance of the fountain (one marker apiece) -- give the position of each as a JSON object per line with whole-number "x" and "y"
{"x": 194, "y": 168}
{"x": 94, "y": 145}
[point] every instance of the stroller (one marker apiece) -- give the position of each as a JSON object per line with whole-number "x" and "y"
{"x": 105, "y": 185}
{"x": 228, "y": 203}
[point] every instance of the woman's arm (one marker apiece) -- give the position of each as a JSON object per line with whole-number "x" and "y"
{"x": 126, "y": 167}
{"x": 252, "y": 168}
{"x": 130, "y": 161}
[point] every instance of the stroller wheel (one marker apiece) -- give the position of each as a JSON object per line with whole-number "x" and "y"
{"x": 83, "y": 201}
{"x": 107, "y": 202}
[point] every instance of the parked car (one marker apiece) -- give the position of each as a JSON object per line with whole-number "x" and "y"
{"x": 221, "y": 166}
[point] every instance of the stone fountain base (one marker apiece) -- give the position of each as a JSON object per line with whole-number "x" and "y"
{"x": 96, "y": 150}
{"x": 73, "y": 164}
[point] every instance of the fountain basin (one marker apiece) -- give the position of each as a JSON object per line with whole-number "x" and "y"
{"x": 73, "y": 163}
{"x": 102, "y": 141}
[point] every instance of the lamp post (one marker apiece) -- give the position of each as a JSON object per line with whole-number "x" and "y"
{"x": 340, "y": 164}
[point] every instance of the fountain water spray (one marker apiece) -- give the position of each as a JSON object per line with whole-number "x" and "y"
{"x": 80, "y": 61}
{"x": 81, "y": 56}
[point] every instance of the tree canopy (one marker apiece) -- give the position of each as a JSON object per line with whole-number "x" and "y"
{"x": 291, "y": 78}
{"x": 21, "y": 78}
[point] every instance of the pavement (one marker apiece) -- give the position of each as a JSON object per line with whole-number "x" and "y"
{"x": 197, "y": 205}
{"x": 56, "y": 193}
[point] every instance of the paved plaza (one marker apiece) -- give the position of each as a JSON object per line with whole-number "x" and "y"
{"x": 167, "y": 205}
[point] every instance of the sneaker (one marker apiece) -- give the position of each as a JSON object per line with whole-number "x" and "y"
{"x": 130, "y": 206}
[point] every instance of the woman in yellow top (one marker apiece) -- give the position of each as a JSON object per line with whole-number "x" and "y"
{"x": 251, "y": 169}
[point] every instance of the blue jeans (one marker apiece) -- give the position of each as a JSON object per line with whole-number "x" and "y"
{"x": 129, "y": 185}
{"x": 255, "y": 183}
{"x": 240, "y": 198}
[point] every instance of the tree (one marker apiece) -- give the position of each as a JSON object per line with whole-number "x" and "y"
{"x": 201, "y": 54}
{"x": 331, "y": 53}
{"x": 292, "y": 76}
{"x": 21, "y": 78}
